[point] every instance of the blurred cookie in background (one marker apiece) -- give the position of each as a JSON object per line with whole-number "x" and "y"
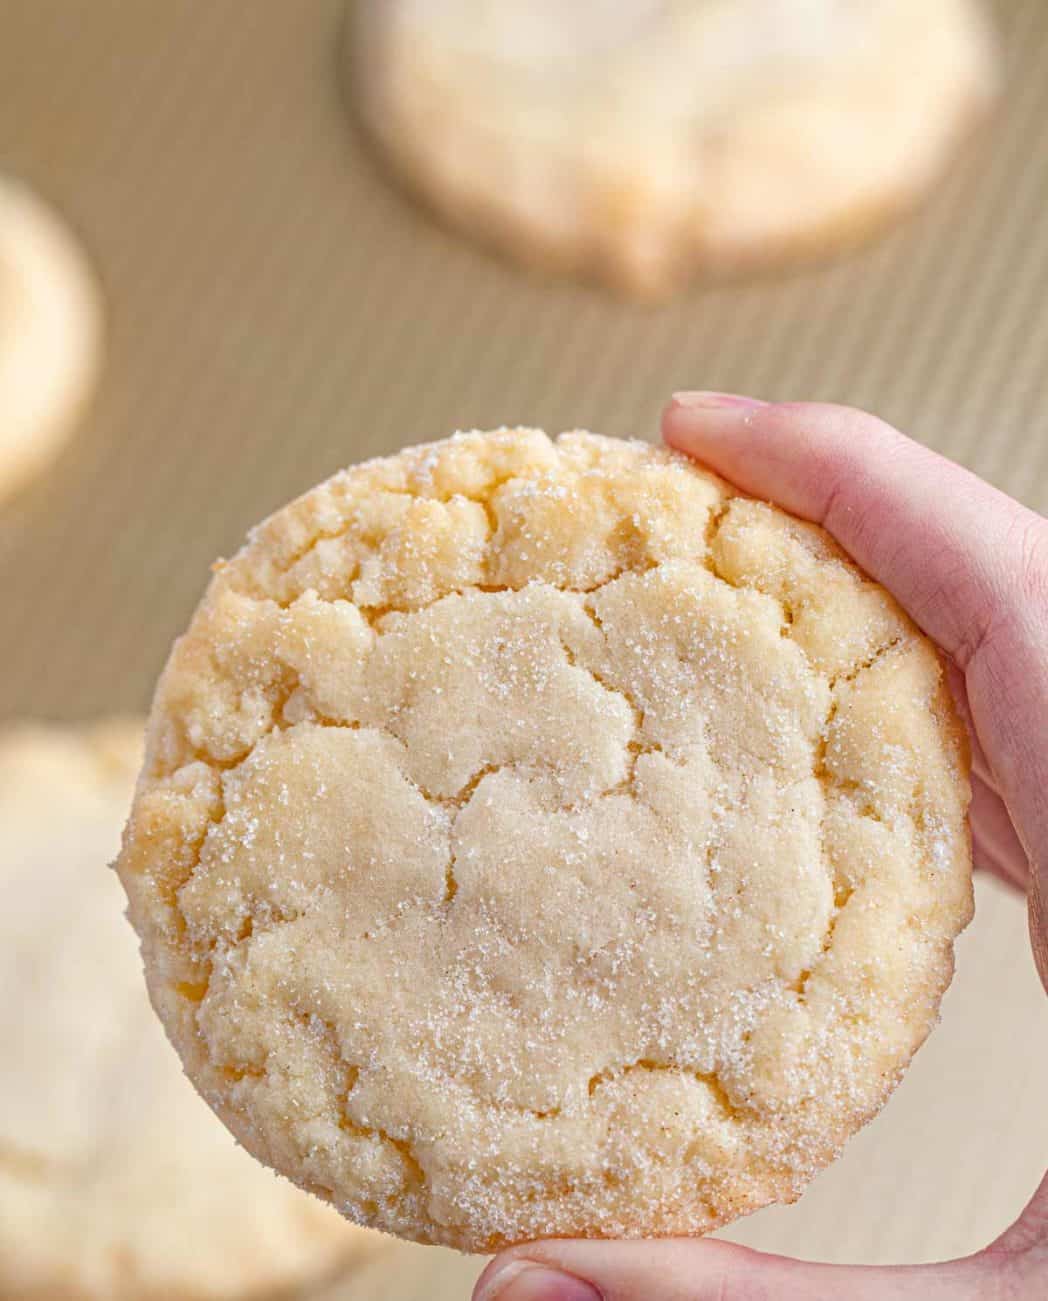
{"x": 50, "y": 333}
{"x": 116, "y": 1181}
{"x": 638, "y": 140}
{"x": 407, "y": 1271}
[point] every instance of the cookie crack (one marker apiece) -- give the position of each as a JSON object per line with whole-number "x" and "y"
{"x": 401, "y": 1146}
{"x": 820, "y": 767}
{"x": 601, "y": 681}
{"x": 451, "y": 885}
{"x": 285, "y": 687}
{"x": 465, "y": 793}
{"x": 483, "y": 500}
{"x": 374, "y": 613}
{"x": 727, "y": 1109}
{"x": 634, "y": 747}
{"x": 714, "y": 520}
{"x": 789, "y": 609}
{"x": 849, "y": 675}
{"x": 628, "y": 785}
{"x": 312, "y": 1021}
{"x": 801, "y": 984}
{"x": 334, "y": 535}
{"x": 714, "y": 523}
{"x": 195, "y": 991}
{"x": 829, "y": 780}
{"x": 617, "y": 689}
{"x": 415, "y": 1173}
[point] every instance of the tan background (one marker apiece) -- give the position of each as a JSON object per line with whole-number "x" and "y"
{"x": 277, "y": 310}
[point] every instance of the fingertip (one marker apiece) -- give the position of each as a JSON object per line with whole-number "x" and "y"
{"x": 688, "y": 412}
{"x": 513, "y": 1278}
{"x": 496, "y": 1276}
{"x": 498, "y": 1271}
{"x": 697, "y": 414}
{"x": 801, "y": 455}
{"x": 710, "y": 400}
{"x": 756, "y": 446}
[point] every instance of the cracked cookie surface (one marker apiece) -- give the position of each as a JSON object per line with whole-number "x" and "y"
{"x": 116, "y": 1183}
{"x": 538, "y": 838}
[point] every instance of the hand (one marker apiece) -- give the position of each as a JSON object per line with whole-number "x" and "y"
{"x": 971, "y": 567}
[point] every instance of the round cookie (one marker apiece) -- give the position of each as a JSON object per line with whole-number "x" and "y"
{"x": 50, "y": 334}
{"x": 537, "y": 838}
{"x": 116, "y": 1182}
{"x": 638, "y": 139}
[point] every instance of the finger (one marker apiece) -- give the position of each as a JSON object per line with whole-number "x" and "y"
{"x": 940, "y": 539}
{"x": 998, "y": 848}
{"x": 702, "y": 1270}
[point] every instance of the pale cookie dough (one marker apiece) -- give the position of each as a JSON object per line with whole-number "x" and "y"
{"x": 536, "y": 838}
{"x": 50, "y": 334}
{"x": 638, "y": 139}
{"x": 116, "y": 1182}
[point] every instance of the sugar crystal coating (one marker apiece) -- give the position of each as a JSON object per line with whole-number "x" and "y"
{"x": 537, "y": 838}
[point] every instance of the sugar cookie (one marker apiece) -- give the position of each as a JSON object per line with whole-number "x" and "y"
{"x": 50, "y": 334}
{"x": 638, "y": 139}
{"x": 537, "y": 838}
{"x": 116, "y": 1182}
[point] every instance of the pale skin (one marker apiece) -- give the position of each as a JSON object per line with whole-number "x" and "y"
{"x": 970, "y": 565}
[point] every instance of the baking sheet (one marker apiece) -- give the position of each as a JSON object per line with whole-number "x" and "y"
{"x": 276, "y": 310}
